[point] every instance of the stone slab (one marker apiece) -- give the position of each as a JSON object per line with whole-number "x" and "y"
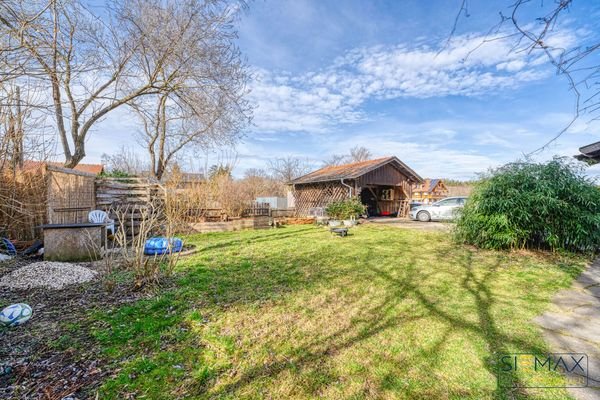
{"x": 573, "y": 326}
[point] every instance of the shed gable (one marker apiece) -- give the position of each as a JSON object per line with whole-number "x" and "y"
{"x": 384, "y": 175}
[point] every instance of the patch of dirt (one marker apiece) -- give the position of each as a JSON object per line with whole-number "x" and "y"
{"x": 53, "y": 356}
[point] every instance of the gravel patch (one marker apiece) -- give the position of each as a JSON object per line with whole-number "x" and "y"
{"x": 46, "y": 274}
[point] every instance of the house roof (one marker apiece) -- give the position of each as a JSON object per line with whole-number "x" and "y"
{"x": 432, "y": 184}
{"x": 590, "y": 148}
{"x": 88, "y": 168}
{"x": 590, "y": 153}
{"x": 428, "y": 185}
{"x": 355, "y": 170}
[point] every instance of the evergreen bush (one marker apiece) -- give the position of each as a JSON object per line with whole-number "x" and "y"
{"x": 548, "y": 205}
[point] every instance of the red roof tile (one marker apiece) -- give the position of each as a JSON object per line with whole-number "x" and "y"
{"x": 89, "y": 168}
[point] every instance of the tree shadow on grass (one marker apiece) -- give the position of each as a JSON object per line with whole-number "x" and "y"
{"x": 279, "y": 274}
{"x": 378, "y": 320}
{"x": 316, "y": 351}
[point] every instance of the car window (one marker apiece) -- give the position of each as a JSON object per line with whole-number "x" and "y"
{"x": 448, "y": 202}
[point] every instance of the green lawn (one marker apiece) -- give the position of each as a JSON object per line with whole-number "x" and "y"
{"x": 297, "y": 313}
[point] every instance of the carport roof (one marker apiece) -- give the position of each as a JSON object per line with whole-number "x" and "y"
{"x": 355, "y": 170}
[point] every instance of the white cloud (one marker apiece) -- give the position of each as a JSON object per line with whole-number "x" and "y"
{"x": 434, "y": 148}
{"x": 469, "y": 65}
{"x": 489, "y": 138}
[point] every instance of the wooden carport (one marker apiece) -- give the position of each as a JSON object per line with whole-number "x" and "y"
{"x": 384, "y": 185}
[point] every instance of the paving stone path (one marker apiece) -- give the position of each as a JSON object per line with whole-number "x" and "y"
{"x": 572, "y": 325}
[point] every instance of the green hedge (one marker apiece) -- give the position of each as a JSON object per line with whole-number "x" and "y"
{"x": 533, "y": 205}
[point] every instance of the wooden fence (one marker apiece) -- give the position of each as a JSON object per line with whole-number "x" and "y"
{"x": 57, "y": 195}
{"x": 283, "y": 212}
{"x": 256, "y": 210}
{"x": 127, "y": 199}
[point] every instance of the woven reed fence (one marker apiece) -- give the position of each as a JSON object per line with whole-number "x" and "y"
{"x": 70, "y": 194}
{"x": 22, "y": 204}
{"x": 45, "y": 194}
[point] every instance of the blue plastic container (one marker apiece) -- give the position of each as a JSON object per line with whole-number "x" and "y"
{"x": 160, "y": 245}
{"x": 10, "y": 248}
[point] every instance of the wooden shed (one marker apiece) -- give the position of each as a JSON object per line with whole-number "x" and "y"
{"x": 384, "y": 185}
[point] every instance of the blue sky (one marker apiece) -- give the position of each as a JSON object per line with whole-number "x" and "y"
{"x": 330, "y": 75}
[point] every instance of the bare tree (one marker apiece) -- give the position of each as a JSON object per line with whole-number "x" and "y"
{"x": 203, "y": 106}
{"x": 20, "y": 133}
{"x": 125, "y": 160}
{"x": 288, "y": 168}
{"x": 11, "y": 130}
{"x": 531, "y": 26}
{"x": 335, "y": 160}
{"x": 91, "y": 65}
{"x": 257, "y": 182}
{"x": 255, "y": 173}
{"x": 359, "y": 153}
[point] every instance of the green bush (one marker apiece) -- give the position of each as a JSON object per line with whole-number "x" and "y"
{"x": 345, "y": 209}
{"x": 529, "y": 205}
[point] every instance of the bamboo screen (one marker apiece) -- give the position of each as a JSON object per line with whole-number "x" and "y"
{"x": 71, "y": 195}
{"x": 22, "y": 204}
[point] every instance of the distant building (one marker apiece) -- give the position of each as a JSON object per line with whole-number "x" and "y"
{"x": 95, "y": 169}
{"x": 430, "y": 191}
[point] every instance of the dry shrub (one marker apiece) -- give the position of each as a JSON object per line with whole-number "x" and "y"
{"x": 252, "y": 187}
{"x": 135, "y": 223}
{"x": 226, "y": 192}
{"x": 219, "y": 197}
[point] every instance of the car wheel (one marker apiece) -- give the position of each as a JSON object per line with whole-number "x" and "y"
{"x": 423, "y": 216}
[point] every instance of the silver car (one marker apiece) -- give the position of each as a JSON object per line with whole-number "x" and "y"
{"x": 445, "y": 209}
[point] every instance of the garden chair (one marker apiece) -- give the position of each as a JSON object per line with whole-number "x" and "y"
{"x": 101, "y": 217}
